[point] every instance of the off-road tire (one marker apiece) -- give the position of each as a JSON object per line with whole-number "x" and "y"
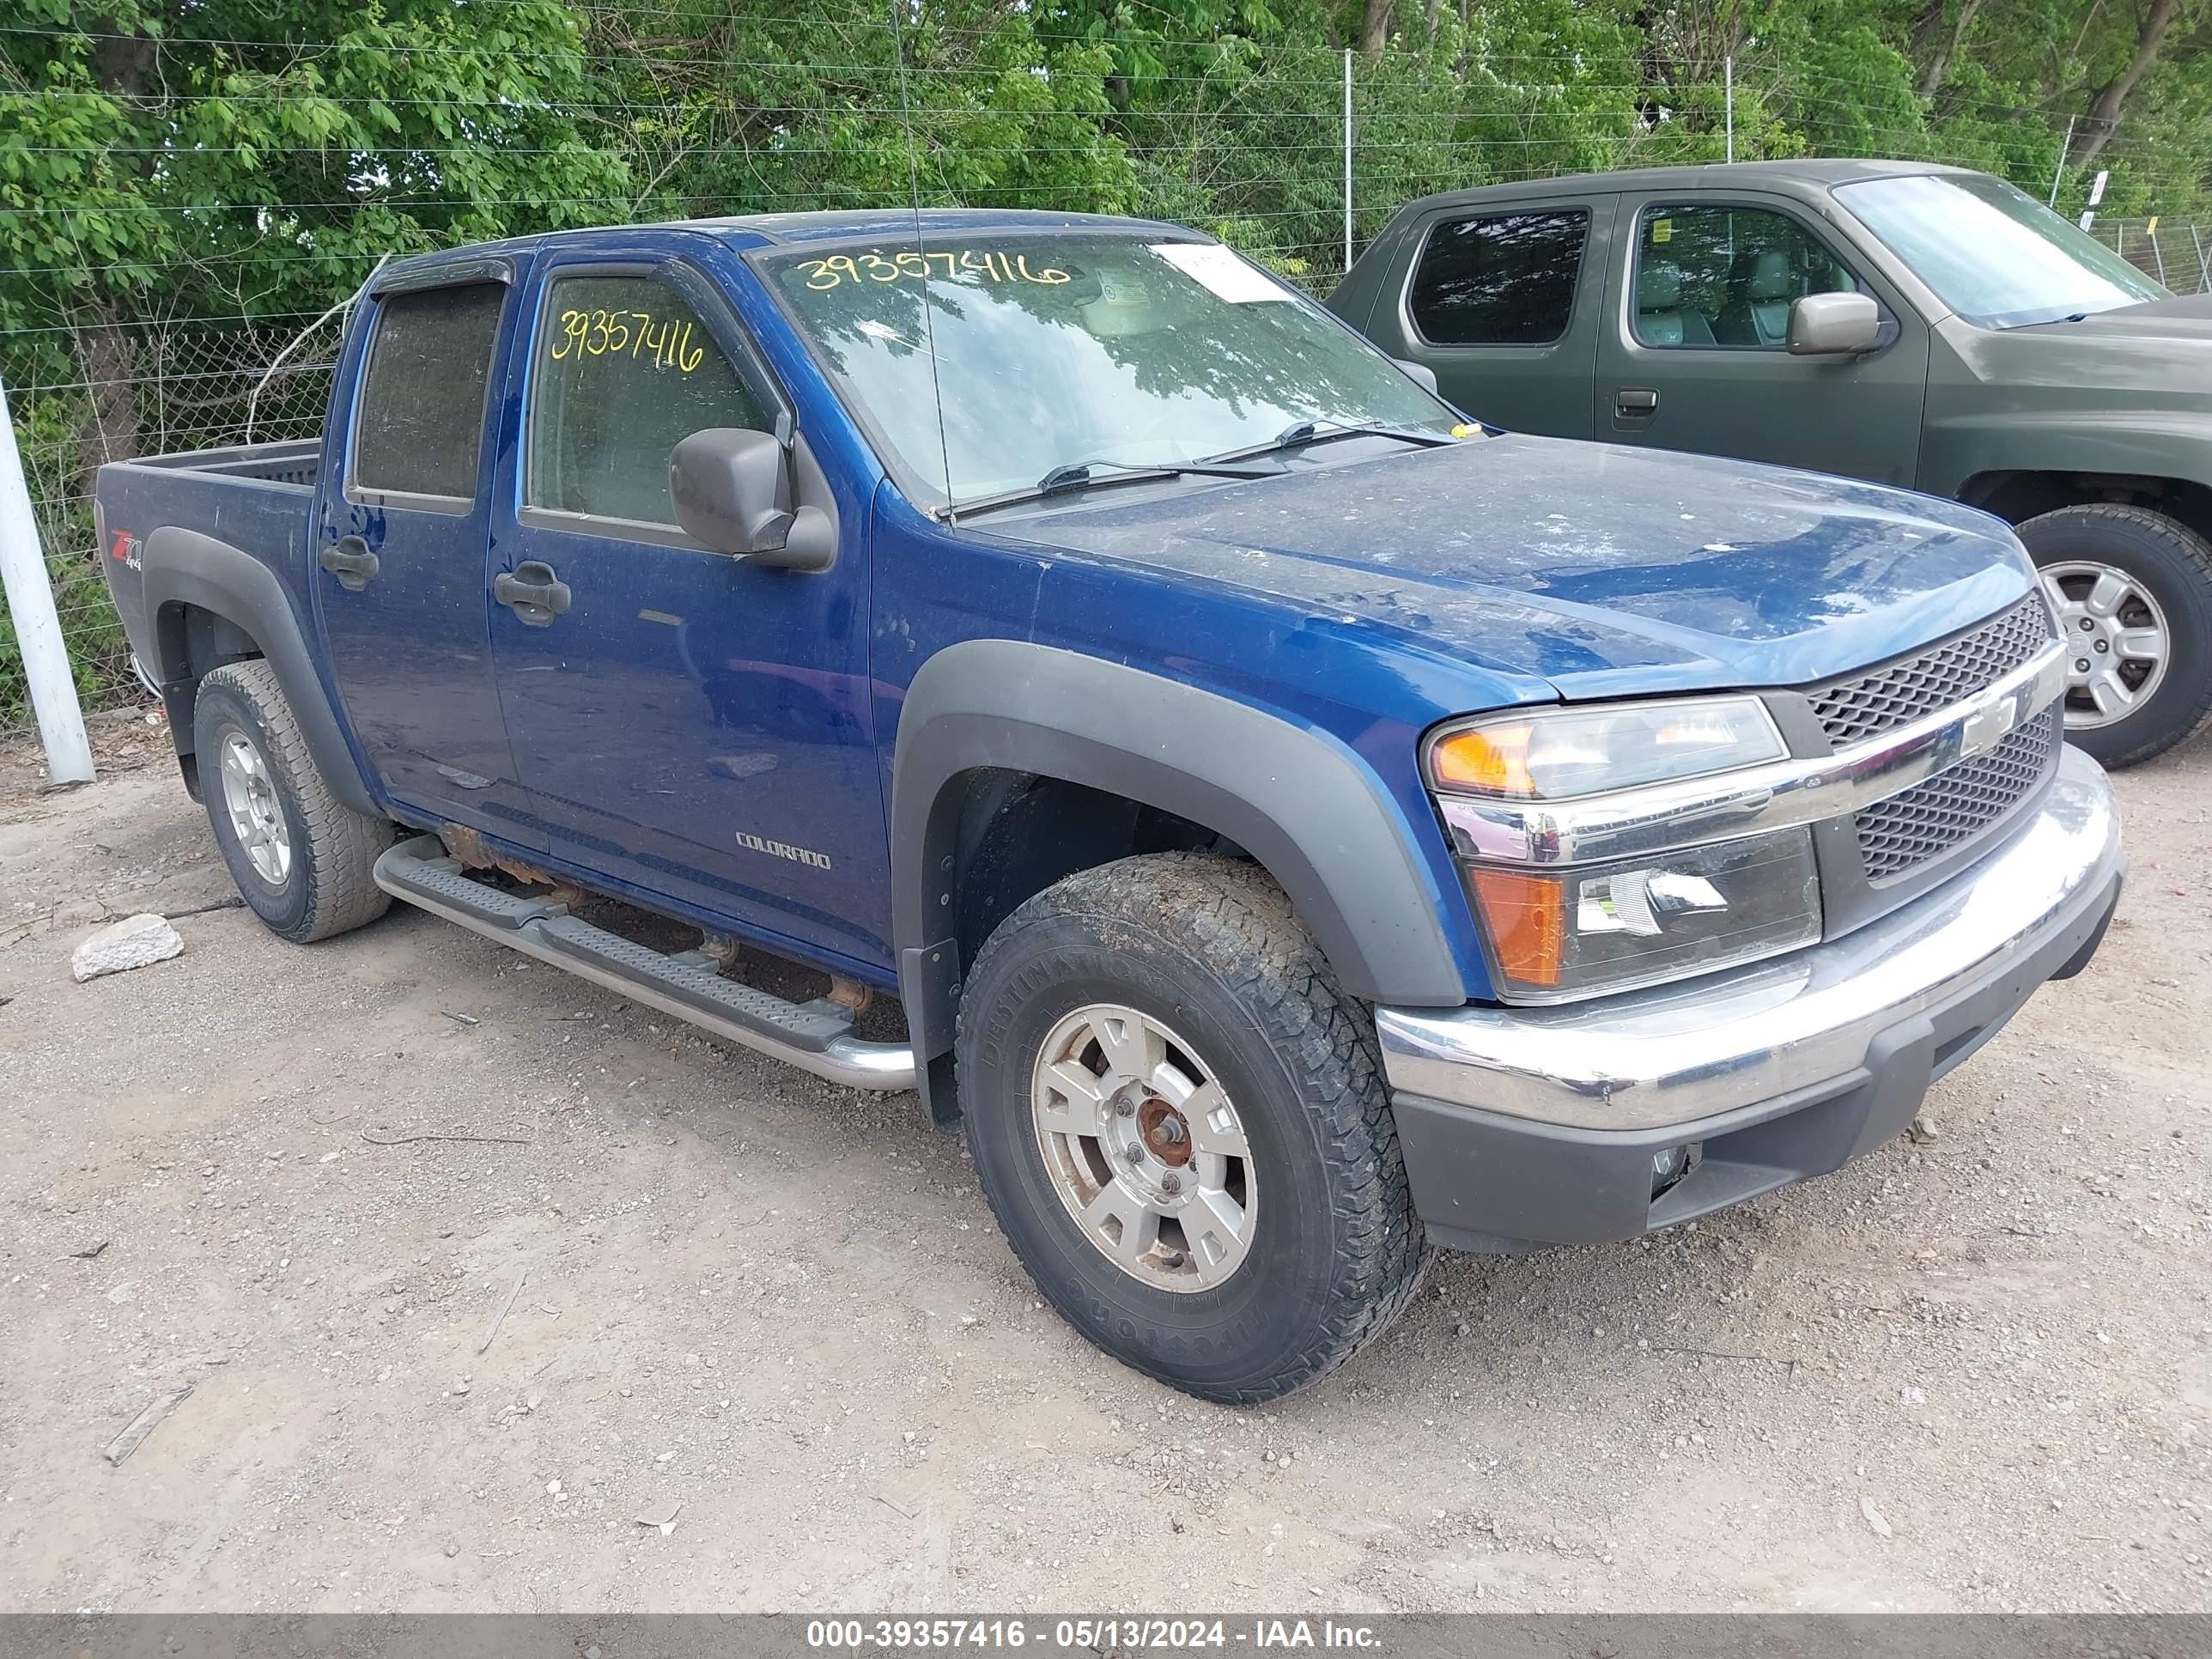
{"x": 329, "y": 888}
{"x": 1210, "y": 946}
{"x": 2175, "y": 564}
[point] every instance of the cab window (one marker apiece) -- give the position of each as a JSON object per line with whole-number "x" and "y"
{"x": 1727, "y": 276}
{"x": 1502, "y": 279}
{"x": 625, "y": 370}
{"x": 420, "y": 428}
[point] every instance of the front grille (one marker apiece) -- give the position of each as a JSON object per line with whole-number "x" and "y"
{"x": 1899, "y": 835}
{"x": 1885, "y": 698}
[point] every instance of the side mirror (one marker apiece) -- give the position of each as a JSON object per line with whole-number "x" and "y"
{"x": 732, "y": 490}
{"x": 1420, "y": 373}
{"x": 1833, "y": 324}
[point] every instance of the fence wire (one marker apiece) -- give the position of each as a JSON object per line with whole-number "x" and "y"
{"x": 86, "y": 387}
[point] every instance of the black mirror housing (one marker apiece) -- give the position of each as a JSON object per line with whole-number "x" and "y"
{"x": 732, "y": 489}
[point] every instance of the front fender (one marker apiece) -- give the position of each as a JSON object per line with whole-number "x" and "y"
{"x": 1298, "y": 800}
{"x": 185, "y": 568}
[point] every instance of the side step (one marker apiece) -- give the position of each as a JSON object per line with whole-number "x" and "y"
{"x": 815, "y": 1037}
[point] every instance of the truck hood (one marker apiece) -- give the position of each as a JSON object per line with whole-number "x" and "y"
{"x": 1601, "y": 569}
{"x": 2188, "y": 317}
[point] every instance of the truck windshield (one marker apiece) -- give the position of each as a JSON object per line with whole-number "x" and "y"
{"x": 1052, "y": 352}
{"x": 1992, "y": 252}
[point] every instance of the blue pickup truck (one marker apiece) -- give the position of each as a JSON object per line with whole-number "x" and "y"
{"x": 1047, "y": 663}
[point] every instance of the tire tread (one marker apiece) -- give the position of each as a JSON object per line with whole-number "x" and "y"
{"x": 2196, "y": 552}
{"x": 342, "y": 845}
{"x": 1248, "y": 937}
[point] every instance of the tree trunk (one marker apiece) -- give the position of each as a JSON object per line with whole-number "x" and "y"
{"x": 109, "y": 363}
{"x": 1375, "y": 27}
{"x": 1943, "y": 49}
{"x": 2110, "y": 107}
{"x": 106, "y": 354}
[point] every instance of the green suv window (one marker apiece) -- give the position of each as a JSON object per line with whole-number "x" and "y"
{"x": 1726, "y": 276}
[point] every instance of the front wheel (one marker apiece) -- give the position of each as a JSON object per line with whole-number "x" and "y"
{"x": 2134, "y": 593}
{"x": 1179, "y": 1119}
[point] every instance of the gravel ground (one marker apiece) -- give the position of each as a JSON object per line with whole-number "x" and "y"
{"x": 1967, "y": 1373}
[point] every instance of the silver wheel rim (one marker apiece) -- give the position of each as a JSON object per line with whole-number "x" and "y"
{"x": 257, "y": 816}
{"x": 2116, "y": 638}
{"x": 1144, "y": 1148}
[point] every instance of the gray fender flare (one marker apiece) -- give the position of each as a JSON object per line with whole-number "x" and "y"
{"x": 1301, "y": 803}
{"x": 183, "y": 567}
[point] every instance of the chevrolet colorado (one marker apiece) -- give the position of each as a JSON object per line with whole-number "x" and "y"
{"x": 1047, "y": 663}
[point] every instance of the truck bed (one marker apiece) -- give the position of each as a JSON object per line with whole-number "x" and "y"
{"x": 257, "y": 497}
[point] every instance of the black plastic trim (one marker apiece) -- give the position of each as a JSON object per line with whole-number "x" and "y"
{"x": 1303, "y": 807}
{"x": 183, "y": 567}
{"x": 454, "y": 273}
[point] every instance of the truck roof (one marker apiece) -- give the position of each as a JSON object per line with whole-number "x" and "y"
{"x": 842, "y": 225}
{"x": 1807, "y": 176}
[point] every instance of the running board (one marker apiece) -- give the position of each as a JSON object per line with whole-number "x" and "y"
{"x": 815, "y": 1037}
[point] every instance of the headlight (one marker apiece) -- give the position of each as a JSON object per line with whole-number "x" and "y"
{"x": 1561, "y": 931}
{"x": 1558, "y": 935}
{"x": 1556, "y": 754}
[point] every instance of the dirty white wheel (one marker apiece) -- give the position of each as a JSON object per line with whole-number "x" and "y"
{"x": 1144, "y": 1148}
{"x": 1179, "y": 1118}
{"x": 256, "y": 816}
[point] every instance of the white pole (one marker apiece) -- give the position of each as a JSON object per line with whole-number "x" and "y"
{"x": 2204, "y": 261}
{"x": 2059, "y": 172}
{"x": 1347, "y": 158}
{"x": 37, "y": 629}
{"x": 1727, "y": 72}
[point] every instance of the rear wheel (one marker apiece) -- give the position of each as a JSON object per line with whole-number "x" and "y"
{"x": 2134, "y": 593}
{"x": 302, "y": 857}
{"x": 1180, "y": 1121}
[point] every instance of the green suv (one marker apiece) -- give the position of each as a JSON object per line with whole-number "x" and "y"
{"x": 1895, "y": 321}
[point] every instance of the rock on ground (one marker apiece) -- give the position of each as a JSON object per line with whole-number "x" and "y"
{"x": 134, "y": 942}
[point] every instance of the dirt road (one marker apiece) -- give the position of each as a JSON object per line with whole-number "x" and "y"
{"x": 1968, "y": 1374}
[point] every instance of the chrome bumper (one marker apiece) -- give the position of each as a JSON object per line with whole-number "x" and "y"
{"x": 1780, "y": 1029}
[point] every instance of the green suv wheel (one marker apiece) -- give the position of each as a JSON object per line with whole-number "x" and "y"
{"x": 2134, "y": 593}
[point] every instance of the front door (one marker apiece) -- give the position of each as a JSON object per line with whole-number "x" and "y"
{"x": 687, "y": 722}
{"x": 1695, "y": 354}
{"x": 398, "y": 550}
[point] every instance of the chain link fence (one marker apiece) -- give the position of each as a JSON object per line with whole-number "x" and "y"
{"x": 82, "y": 397}
{"x": 84, "y": 393}
{"x": 2178, "y": 255}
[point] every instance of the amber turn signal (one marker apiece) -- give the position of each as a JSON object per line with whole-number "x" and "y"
{"x": 1527, "y": 919}
{"x": 1491, "y": 760}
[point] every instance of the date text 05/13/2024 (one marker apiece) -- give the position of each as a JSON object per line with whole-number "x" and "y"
{"x": 1091, "y": 1635}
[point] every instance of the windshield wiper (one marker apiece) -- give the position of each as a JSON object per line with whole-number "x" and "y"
{"x": 1297, "y": 436}
{"x": 1081, "y": 475}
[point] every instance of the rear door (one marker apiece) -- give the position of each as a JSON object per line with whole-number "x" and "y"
{"x": 1503, "y": 302}
{"x": 687, "y": 722}
{"x": 399, "y": 546}
{"x": 1693, "y": 352}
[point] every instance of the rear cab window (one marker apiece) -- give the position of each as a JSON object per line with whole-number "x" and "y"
{"x": 419, "y": 425}
{"x": 1499, "y": 278}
